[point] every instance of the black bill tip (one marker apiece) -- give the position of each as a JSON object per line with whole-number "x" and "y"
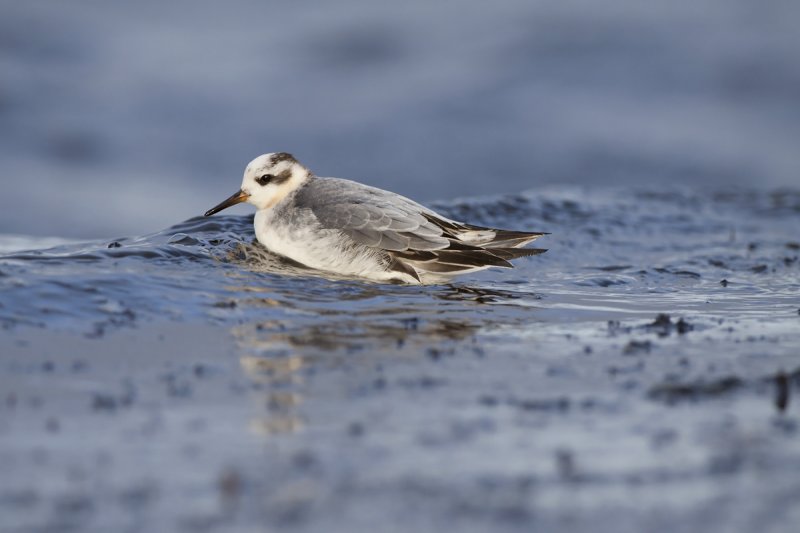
{"x": 236, "y": 198}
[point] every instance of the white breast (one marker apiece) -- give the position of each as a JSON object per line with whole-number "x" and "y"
{"x": 316, "y": 247}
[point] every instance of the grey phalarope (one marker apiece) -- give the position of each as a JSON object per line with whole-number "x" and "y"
{"x": 344, "y": 227}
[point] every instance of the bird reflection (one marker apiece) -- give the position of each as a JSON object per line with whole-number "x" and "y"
{"x": 296, "y": 324}
{"x": 278, "y": 412}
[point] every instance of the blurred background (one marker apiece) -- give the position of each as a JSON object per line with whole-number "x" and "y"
{"x": 124, "y": 118}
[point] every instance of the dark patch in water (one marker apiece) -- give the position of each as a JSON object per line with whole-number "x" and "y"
{"x": 664, "y": 326}
{"x": 687, "y": 273}
{"x": 698, "y": 390}
{"x": 480, "y": 295}
{"x": 782, "y": 391}
{"x": 635, "y": 347}
{"x": 602, "y": 282}
{"x": 612, "y": 268}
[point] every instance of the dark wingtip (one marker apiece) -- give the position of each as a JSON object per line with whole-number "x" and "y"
{"x": 515, "y": 253}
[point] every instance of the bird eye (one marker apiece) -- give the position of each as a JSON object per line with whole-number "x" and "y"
{"x": 264, "y": 179}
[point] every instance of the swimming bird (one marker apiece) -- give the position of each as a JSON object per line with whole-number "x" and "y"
{"x": 345, "y": 227}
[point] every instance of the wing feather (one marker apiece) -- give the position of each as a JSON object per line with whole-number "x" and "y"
{"x": 375, "y": 218}
{"x": 393, "y": 241}
{"x": 413, "y": 238}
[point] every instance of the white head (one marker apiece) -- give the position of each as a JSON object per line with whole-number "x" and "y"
{"x": 266, "y": 181}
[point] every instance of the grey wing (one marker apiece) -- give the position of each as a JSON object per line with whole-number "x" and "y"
{"x": 414, "y": 238}
{"x": 372, "y": 217}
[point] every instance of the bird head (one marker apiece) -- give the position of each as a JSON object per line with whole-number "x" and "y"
{"x": 267, "y": 180}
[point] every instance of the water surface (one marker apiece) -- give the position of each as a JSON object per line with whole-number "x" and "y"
{"x": 641, "y": 375}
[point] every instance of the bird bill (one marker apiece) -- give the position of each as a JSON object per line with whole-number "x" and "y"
{"x": 236, "y": 198}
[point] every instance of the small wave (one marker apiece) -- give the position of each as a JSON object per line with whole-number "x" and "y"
{"x": 615, "y": 244}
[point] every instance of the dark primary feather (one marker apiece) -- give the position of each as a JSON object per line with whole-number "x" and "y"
{"x": 413, "y": 238}
{"x": 501, "y": 238}
{"x": 515, "y": 253}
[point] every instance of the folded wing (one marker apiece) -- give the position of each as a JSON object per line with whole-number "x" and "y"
{"x": 413, "y": 238}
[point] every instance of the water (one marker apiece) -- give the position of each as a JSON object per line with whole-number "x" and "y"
{"x": 640, "y": 376}
{"x": 223, "y": 389}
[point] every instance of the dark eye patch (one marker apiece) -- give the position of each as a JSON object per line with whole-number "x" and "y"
{"x": 264, "y": 179}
